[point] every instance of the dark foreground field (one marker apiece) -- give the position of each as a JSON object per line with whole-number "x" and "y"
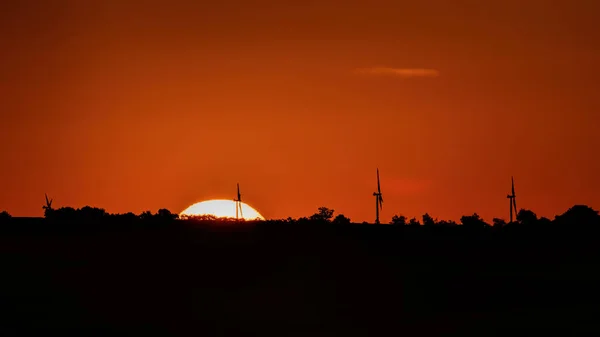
{"x": 348, "y": 280}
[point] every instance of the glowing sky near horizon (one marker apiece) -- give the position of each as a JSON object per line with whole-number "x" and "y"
{"x": 134, "y": 106}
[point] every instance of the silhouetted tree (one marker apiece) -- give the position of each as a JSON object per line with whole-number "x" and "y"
{"x": 128, "y": 217}
{"x": 67, "y": 214}
{"x": 473, "y": 221}
{"x": 4, "y": 216}
{"x": 498, "y": 223}
{"x": 323, "y": 215}
{"x": 414, "y": 222}
{"x": 88, "y": 213}
{"x": 147, "y": 215}
{"x": 579, "y": 216}
{"x": 445, "y": 223}
{"x": 527, "y": 217}
{"x": 428, "y": 220}
{"x": 544, "y": 222}
{"x": 205, "y": 217}
{"x": 340, "y": 219}
{"x": 398, "y": 220}
{"x": 166, "y": 215}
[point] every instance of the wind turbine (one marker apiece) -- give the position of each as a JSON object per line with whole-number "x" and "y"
{"x": 48, "y": 206}
{"x": 378, "y": 199}
{"x": 512, "y": 200}
{"x": 238, "y": 204}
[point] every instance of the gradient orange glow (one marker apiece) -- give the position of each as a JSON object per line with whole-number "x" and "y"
{"x": 133, "y": 106}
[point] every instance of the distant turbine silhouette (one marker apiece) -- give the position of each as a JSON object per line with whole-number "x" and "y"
{"x": 378, "y": 199}
{"x": 512, "y": 198}
{"x": 48, "y": 205}
{"x": 238, "y": 204}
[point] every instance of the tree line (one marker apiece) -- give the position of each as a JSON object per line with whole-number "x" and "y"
{"x": 580, "y": 216}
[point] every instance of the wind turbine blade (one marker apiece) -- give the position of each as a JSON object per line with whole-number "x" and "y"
{"x": 380, "y": 202}
{"x": 513, "y": 185}
{"x": 515, "y": 205}
{"x": 238, "y": 190}
{"x": 378, "y": 184}
{"x": 241, "y": 213}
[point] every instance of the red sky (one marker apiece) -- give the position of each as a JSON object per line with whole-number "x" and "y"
{"x": 140, "y": 105}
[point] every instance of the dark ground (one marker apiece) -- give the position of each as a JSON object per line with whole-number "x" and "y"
{"x": 351, "y": 281}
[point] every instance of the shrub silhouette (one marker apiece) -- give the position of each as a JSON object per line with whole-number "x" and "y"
{"x": 4, "y": 216}
{"x": 203, "y": 217}
{"x": 398, "y": 220}
{"x": 498, "y": 223}
{"x": 414, "y": 222}
{"x": 146, "y": 215}
{"x": 340, "y": 219}
{"x": 473, "y": 221}
{"x": 444, "y": 223}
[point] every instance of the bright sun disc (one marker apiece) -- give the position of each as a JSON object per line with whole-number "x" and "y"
{"x": 221, "y": 208}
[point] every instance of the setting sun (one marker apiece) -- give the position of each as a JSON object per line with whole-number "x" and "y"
{"x": 222, "y": 208}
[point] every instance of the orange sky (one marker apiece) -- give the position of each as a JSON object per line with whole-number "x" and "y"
{"x": 136, "y": 105}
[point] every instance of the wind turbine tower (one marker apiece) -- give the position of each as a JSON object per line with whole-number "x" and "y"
{"x": 378, "y": 200}
{"x": 512, "y": 198}
{"x": 238, "y": 204}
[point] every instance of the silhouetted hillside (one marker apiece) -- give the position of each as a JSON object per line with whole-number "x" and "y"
{"x": 89, "y": 273}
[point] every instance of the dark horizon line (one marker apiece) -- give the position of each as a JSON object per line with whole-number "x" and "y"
{"x": 320, "y": 214}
